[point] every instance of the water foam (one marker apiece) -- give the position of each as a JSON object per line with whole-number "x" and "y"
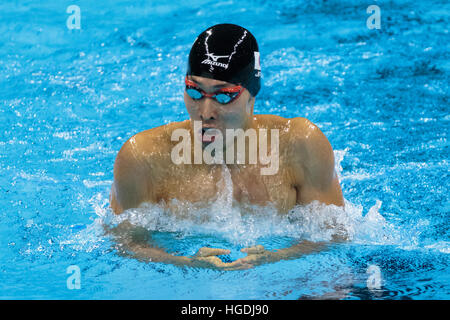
{"x": 246, "y": 225}
{"x": 314, "y": 222}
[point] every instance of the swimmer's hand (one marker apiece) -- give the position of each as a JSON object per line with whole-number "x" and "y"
{"x": 137, "y": 242}
{"x": 257, "y": 255}
{"x": 208, "y": 257}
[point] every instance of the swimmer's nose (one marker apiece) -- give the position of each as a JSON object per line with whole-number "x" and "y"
{"x": 207, "y": 110}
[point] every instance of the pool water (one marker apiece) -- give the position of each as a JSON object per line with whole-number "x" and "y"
{"x": 69, "y": 99}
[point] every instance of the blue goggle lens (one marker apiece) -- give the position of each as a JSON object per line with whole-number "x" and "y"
{"x": 222, "y": 98}
{"x": 194, "y": 94}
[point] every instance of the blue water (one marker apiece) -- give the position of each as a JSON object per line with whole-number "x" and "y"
{"x": 69, "y": 99}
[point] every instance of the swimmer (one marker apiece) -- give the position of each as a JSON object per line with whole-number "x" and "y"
{"x": 221, "y": 84}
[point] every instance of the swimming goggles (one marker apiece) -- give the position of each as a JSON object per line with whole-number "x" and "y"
{"x": 222, "y": 96}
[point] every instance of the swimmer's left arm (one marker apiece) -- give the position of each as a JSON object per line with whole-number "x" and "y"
{"x": 313, "y": 165}
{"x": 316, "y": 180}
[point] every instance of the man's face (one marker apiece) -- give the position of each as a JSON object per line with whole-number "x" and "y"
{"x": 212, "y": 114}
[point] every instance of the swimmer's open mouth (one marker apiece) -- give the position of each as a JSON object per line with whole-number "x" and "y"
{"x": 208, "y": 137}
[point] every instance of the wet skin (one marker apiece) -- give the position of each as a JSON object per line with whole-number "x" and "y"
{"x": 145, "y": 172}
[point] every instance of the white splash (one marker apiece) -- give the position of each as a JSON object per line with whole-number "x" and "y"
{"x": 314, "y": 222}
{"x": 227, "y": 220}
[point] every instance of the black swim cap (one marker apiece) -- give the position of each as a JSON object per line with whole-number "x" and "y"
{"x": 229, "y": 53}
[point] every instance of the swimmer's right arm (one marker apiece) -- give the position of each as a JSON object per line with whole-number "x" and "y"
{"x": 132, "y": 179}
{"x": 132, "y": 185}
{"x": 136, "y": 242}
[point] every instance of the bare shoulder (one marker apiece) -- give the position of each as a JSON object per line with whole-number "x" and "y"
{"x": 303, "y": 134}
{"x": 314, "y": 157}
{"x": 150, "y": 144}
{"x": 270, "y": 121}
{"x": 137, "y": 165}
{"x": 297, "y": 127}
{"x": 311, "y": 150}
{"x": 307, "y": 136}
{"x": 310, "y": 158}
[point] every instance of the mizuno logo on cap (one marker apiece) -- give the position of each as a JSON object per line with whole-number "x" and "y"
{"x": 213, "y": 60}
{"x": 213, "y": 57}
